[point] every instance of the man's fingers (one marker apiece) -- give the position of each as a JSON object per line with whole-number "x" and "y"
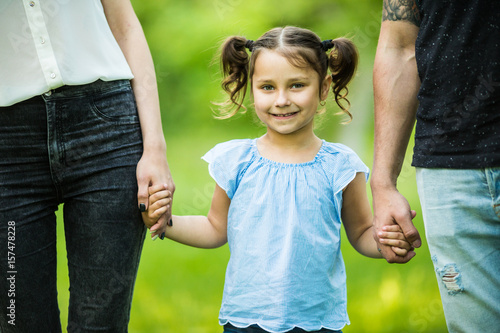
{"x": 411, "y": 234}
{"x": 392, "y": 258}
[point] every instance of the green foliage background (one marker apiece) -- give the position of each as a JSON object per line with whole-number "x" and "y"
{"x": 179, "y": 288}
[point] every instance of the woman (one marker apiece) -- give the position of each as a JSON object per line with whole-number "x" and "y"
{"x": 80, "y": 125}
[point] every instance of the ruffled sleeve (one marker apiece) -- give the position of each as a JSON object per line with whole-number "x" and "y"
{"x": 227, "y": 162}
{"x": 343, "y": 164}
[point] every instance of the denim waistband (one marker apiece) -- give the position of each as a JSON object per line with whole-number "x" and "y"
{"x": 95, "y": 87}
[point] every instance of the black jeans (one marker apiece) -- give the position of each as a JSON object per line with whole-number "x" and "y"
{"x": 77, "y": 145}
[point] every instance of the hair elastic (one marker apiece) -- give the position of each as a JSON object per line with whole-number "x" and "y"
{"x": 249, "y": 44}
{"x": 327, "y": 44}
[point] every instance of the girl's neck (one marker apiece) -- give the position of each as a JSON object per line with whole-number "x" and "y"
{"x": 291, "y": 149}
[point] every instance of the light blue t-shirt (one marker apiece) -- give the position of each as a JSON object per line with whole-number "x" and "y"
{"x": 285, "y": 268}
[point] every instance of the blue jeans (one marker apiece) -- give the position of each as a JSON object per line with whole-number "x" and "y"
{"x": 461, "y": 211}
{"x": 228, "y": 328}
{"x": 79, "y": 146}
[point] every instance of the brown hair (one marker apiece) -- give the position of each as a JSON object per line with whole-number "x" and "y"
{"x": 301, "y": 47}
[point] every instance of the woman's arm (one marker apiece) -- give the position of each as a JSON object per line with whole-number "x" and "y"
{"x": 153, "y": 167}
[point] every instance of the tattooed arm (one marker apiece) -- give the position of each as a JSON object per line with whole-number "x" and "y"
{"x": 401, "y": 10}
{"x": 395, "y": 83}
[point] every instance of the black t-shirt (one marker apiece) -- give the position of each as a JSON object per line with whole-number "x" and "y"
{"x": 458, "y": 55}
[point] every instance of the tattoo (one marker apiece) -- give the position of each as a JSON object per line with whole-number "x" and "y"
{"x": 401, "y": 10}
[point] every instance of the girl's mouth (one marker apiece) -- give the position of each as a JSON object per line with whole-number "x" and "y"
{"x": 284, "y": 115}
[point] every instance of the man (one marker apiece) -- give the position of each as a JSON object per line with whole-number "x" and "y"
{"x": 437, "y": 62}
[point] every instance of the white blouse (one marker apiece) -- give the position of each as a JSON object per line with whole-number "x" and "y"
{"x": 45, "y": 44}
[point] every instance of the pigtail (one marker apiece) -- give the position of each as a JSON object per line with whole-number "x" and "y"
{"x": 234, "y": 63}
{"x": 342, "y": 61}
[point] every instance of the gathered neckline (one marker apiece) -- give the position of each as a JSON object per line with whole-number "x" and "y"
{"x": 283, "y": 164}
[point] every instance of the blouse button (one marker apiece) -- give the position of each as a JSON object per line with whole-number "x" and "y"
{"x": 53, "y": 75}
{"x": 32, "y": 3}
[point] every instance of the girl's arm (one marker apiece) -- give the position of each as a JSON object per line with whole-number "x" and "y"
{"x": 153, "y": 168}
{"x": 357, "y": 219}
{"x": 199, "y": 231}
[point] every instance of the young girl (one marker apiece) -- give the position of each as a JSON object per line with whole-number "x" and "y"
{"x": 280, "y": 199}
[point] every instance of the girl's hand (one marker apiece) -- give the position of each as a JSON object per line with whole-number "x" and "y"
{"x": 392, "y": 235}
{"x": 160, "y": 201}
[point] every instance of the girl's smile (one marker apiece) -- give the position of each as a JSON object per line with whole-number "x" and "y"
{"x": 285, "y": 115}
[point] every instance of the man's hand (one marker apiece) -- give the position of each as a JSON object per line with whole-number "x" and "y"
{"x": 391, "y": 207}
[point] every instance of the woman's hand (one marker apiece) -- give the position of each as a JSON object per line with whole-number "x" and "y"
{"x": 153, "y": 171}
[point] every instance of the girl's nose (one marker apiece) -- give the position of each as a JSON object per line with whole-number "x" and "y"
{"x": 282, "y": 100}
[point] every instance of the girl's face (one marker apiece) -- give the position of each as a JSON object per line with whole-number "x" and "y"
{"x": 286, "y": 97}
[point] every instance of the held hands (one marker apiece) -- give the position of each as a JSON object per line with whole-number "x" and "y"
{"x": 391, "y": 208}
{"x": 153, "y": 171}
{"x": 160, "y": 201}
{"x": 392, "y": 235}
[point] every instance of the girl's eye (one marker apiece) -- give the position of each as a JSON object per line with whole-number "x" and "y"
{"x": 267, "y": 87}
{"x": 297, "y": 85}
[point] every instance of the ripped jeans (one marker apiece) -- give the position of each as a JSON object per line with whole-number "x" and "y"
{"x": 461, "y": 211}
